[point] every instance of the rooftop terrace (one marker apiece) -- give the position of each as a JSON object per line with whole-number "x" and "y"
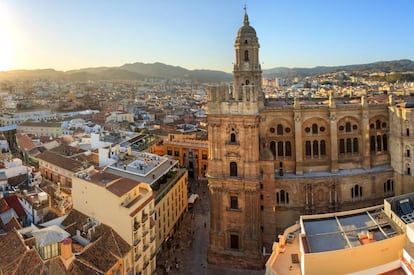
{"x": 340, "y": 231}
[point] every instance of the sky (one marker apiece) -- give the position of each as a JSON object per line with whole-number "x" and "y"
{"x": 200, "y": 34}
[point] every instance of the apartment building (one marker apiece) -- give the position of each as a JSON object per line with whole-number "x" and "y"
{"x": 41, "y": 128}
{"x": 124, "y": 204}
{"x": 190, "y": 151}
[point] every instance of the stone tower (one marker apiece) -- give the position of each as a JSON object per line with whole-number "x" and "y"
{"x": 234, "y": 174}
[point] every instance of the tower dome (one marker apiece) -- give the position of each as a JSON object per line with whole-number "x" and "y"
{"x": 246, "y": 32}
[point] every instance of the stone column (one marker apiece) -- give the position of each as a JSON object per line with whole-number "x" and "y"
{"x": 298, "y": 142}
{"x": 334, "y": 141}
{"x": 365, "y": 142}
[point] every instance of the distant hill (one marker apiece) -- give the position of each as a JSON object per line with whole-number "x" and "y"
{"x": 402, "y": 65}
{"x": 140, "y": 71}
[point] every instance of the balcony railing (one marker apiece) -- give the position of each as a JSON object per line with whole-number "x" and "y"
{"x": 137, "y": 225}
{"x": 136, "y": 242}
{"x": 144, "y": 218}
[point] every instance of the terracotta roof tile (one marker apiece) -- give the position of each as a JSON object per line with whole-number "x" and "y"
{"x": 106, "y": 250}
{"x": 25, "y": 141}
{"x": 11, "y": 252}
{"x": 60, "y": 161}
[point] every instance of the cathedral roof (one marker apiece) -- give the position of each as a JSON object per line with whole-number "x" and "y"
{"x": 246, "y": 32}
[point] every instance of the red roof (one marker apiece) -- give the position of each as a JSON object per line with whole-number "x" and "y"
{"x": 14, "y": 203}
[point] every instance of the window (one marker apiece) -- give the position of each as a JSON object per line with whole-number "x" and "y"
{"x": 372, "y": 143}
{"x": 282, "y": 197}
{"x": 384, "y": 143}
{"x": 379, "y": 143}
{"x": 355, "y": 143}
{"x": 356, "y": 191}
{"x": 348, "y": 127}
{"x": 246, "y": 55}
{"x": 407, "y": 131}
{"x": 288, "y": 149}
{"x": 176, "y": 153}
{"x": 308, "y": 148}
{"x": 234, "y": 202}
{"x": 388, "y": 187}
{"x": 232, "y": 137}
{"x": 408, "y": 153}
{"x": 314, "y": 128}
{"x": 342, "y": 146}
{"x": 323, "y": 148}
{"x": 169, "y": 152}
{"x": 273, "y": 148}
{"x": 204, "y": 156}
{"x": 348, "y": 145}
{"x": 233, "y": 169}
{"x": 280, "y": 149}
{"x": 234, "y": 241}
{"x": 315, "y": 148}
{"x": 279, "y": 130}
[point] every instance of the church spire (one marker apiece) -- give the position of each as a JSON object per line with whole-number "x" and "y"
{"x": 246, "y": 17}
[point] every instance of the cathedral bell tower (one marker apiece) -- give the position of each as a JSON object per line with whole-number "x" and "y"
{"x": 234, "y": 175}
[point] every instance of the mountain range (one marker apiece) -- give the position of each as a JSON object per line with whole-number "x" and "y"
{"x": 141, "y": 71}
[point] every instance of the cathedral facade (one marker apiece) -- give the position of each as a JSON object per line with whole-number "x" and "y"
{"x": 271, "y": 160}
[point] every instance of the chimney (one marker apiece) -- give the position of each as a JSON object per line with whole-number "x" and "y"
{"x": 66, "y": 252}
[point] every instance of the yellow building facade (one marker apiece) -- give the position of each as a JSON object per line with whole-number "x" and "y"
{"x": 125, "y": 205}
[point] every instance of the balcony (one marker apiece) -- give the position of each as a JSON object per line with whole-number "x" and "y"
{"x": 145, "y": 265}
{"x": 137, "y": 257}
{"x": 145, "y": 247}
{"x": 136, "y": 242}
{"x": 145, "y": 233}
{"x": 152, "y": 239}
{"x": 144, "y": 218}
{"x": 137, "y": 225}
{"x": 152, "y": 256}
{"x": 152, "y": 223}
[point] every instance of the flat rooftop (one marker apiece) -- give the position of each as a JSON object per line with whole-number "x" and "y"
{"x": 335, "y": 232}
{"x": 143, "y": 167}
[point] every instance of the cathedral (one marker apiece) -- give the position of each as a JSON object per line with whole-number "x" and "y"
{"x": 272, "y": 160}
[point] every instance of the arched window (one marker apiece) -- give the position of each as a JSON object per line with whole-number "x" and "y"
{"x": 407, "y": 132}
{"x": 384, "y": 142}
{"x": 232, "y": 137}
{"x": 356, "y": 147}
{"x": 407, "y": 154}
{"x": 342, "y": 146}
{"x": 246, "y": 55}
{"x": 282, "y": 197}
{"x": 379, "y": 142}
{"x": 233, "y": 169}
{"x": 314, "y": 128}
{"x": 279, "y": 130}
{"x": 288, "y": 149}
{"x": 378, "y": 124}
{"x": 323, "y": 148}
{"x": 308, "y": 148}
{"x": 280, "y": 149}
{"x": 315, "y": 148}
{"x": 247, "y": 82}
{"x": 372, "y": 143}
{"x": 348, "y": 127}
{"x": 348, "y": 145}
{"x": 356, "y": 191}
{"x": 273, "y": 148}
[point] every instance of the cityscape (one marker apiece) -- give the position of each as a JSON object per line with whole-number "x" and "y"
{"x": 142, "y": 166}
